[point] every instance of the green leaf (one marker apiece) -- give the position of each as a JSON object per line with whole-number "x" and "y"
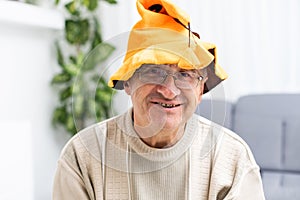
{"x": 80, "y": 58}
{"x": 73, "y": 59}
{"x": 98, "y": 55}
{"x": 66, "y": 93}
{"x": 78, "y": 105}
{"x": 103, "y": 96}
{"x": 96, "y": 40}
{"x": 72, "y": 8}
{"x": 59, "y": 55}
{"x": 104, "y": 50}
{"x": 99, "y": 112}
{"x": 70, "y": 124}
{"x": 111, "y": 1}
{"x": 102, "y": 85}
{"x": 61, "y": 78}
{"x": 91, "y": 4}
{"x": 78, "y": 86}
{"x": 91, "y": 106}
{"x": 102, "y": 110}
{"x": 59, "y": 115}
{"x": 56, "y": 2}
{"x": 72, "y": 69}
{"x": 97, "y": 24}
{"x": 77, "y": 31}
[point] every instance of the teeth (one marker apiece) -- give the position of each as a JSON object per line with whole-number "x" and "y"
{"x": 167, "y": 105}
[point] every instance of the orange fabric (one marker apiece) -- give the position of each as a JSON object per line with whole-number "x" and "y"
{"x": 158, "y": 38}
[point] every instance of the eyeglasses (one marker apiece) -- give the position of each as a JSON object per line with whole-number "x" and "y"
{"x": 155, "y": 74}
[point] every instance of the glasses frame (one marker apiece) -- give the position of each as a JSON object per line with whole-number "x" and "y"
{"x": 167, "y": 73}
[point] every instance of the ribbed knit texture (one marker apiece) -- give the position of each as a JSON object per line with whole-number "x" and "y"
{"x": 109, "y": 161}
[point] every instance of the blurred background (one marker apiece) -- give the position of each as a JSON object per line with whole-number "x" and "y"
{"x": 258, "y": 44}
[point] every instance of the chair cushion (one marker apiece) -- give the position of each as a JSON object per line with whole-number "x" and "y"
{"x": 292, "y": 145}
{"x": 281, "y": 186}
{"x": 264, "y": 137}
{"x": 217, "y": 111}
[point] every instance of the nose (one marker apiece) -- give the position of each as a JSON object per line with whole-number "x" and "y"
{"x": 168, "y": 88}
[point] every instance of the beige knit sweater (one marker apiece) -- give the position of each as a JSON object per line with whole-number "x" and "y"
{"x": 109, "y": 161}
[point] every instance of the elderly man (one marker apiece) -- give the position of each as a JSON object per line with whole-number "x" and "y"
{"x": 159, "y": 149}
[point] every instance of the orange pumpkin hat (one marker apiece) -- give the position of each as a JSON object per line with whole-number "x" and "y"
{"x": 163, "y": 36}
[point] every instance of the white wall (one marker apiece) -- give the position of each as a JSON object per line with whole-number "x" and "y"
{"x": 29, "y": 146}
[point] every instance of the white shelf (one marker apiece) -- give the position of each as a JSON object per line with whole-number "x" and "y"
{"x": 26, "y": 14}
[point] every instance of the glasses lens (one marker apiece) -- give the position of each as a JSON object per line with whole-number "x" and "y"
{"x": 186, "y": 79}
{"x": 152, "y": 75}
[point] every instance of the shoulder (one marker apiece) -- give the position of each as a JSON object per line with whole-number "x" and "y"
{"x": 87, "y": 143}
{"x": 227, "y": 142}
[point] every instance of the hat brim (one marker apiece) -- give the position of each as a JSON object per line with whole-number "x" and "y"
{"x": 212, "y": 81}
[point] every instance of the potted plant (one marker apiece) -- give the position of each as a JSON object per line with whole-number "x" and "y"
{"x": 83, "y": 93}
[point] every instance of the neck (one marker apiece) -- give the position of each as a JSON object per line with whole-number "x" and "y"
{"x": 161, "y": 139}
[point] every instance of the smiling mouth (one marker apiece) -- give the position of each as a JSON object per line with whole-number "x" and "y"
{"x": 165, "y": 105}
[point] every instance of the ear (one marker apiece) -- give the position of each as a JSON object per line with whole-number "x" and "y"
{"x": 127, "y": 87}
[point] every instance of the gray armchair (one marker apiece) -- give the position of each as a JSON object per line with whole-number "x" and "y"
{"x": 270, "y": 124}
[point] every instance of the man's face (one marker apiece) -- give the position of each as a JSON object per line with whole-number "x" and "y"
{"x": 161, "y": 104}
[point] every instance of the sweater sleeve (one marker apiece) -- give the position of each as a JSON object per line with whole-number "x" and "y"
{"x": 68, "y": 184}
{"x": 247, "y": 184}
{"x": 79, "y": 169}
{"x": 246, "y": 178}
{"x": 251, "y": 187}
{"x": 72, "y": 179}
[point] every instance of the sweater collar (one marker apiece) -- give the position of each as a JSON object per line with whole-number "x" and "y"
{"x": 155, "y": 154}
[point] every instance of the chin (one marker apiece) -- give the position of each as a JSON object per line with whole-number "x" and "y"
{"x": 172, "y": 123}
